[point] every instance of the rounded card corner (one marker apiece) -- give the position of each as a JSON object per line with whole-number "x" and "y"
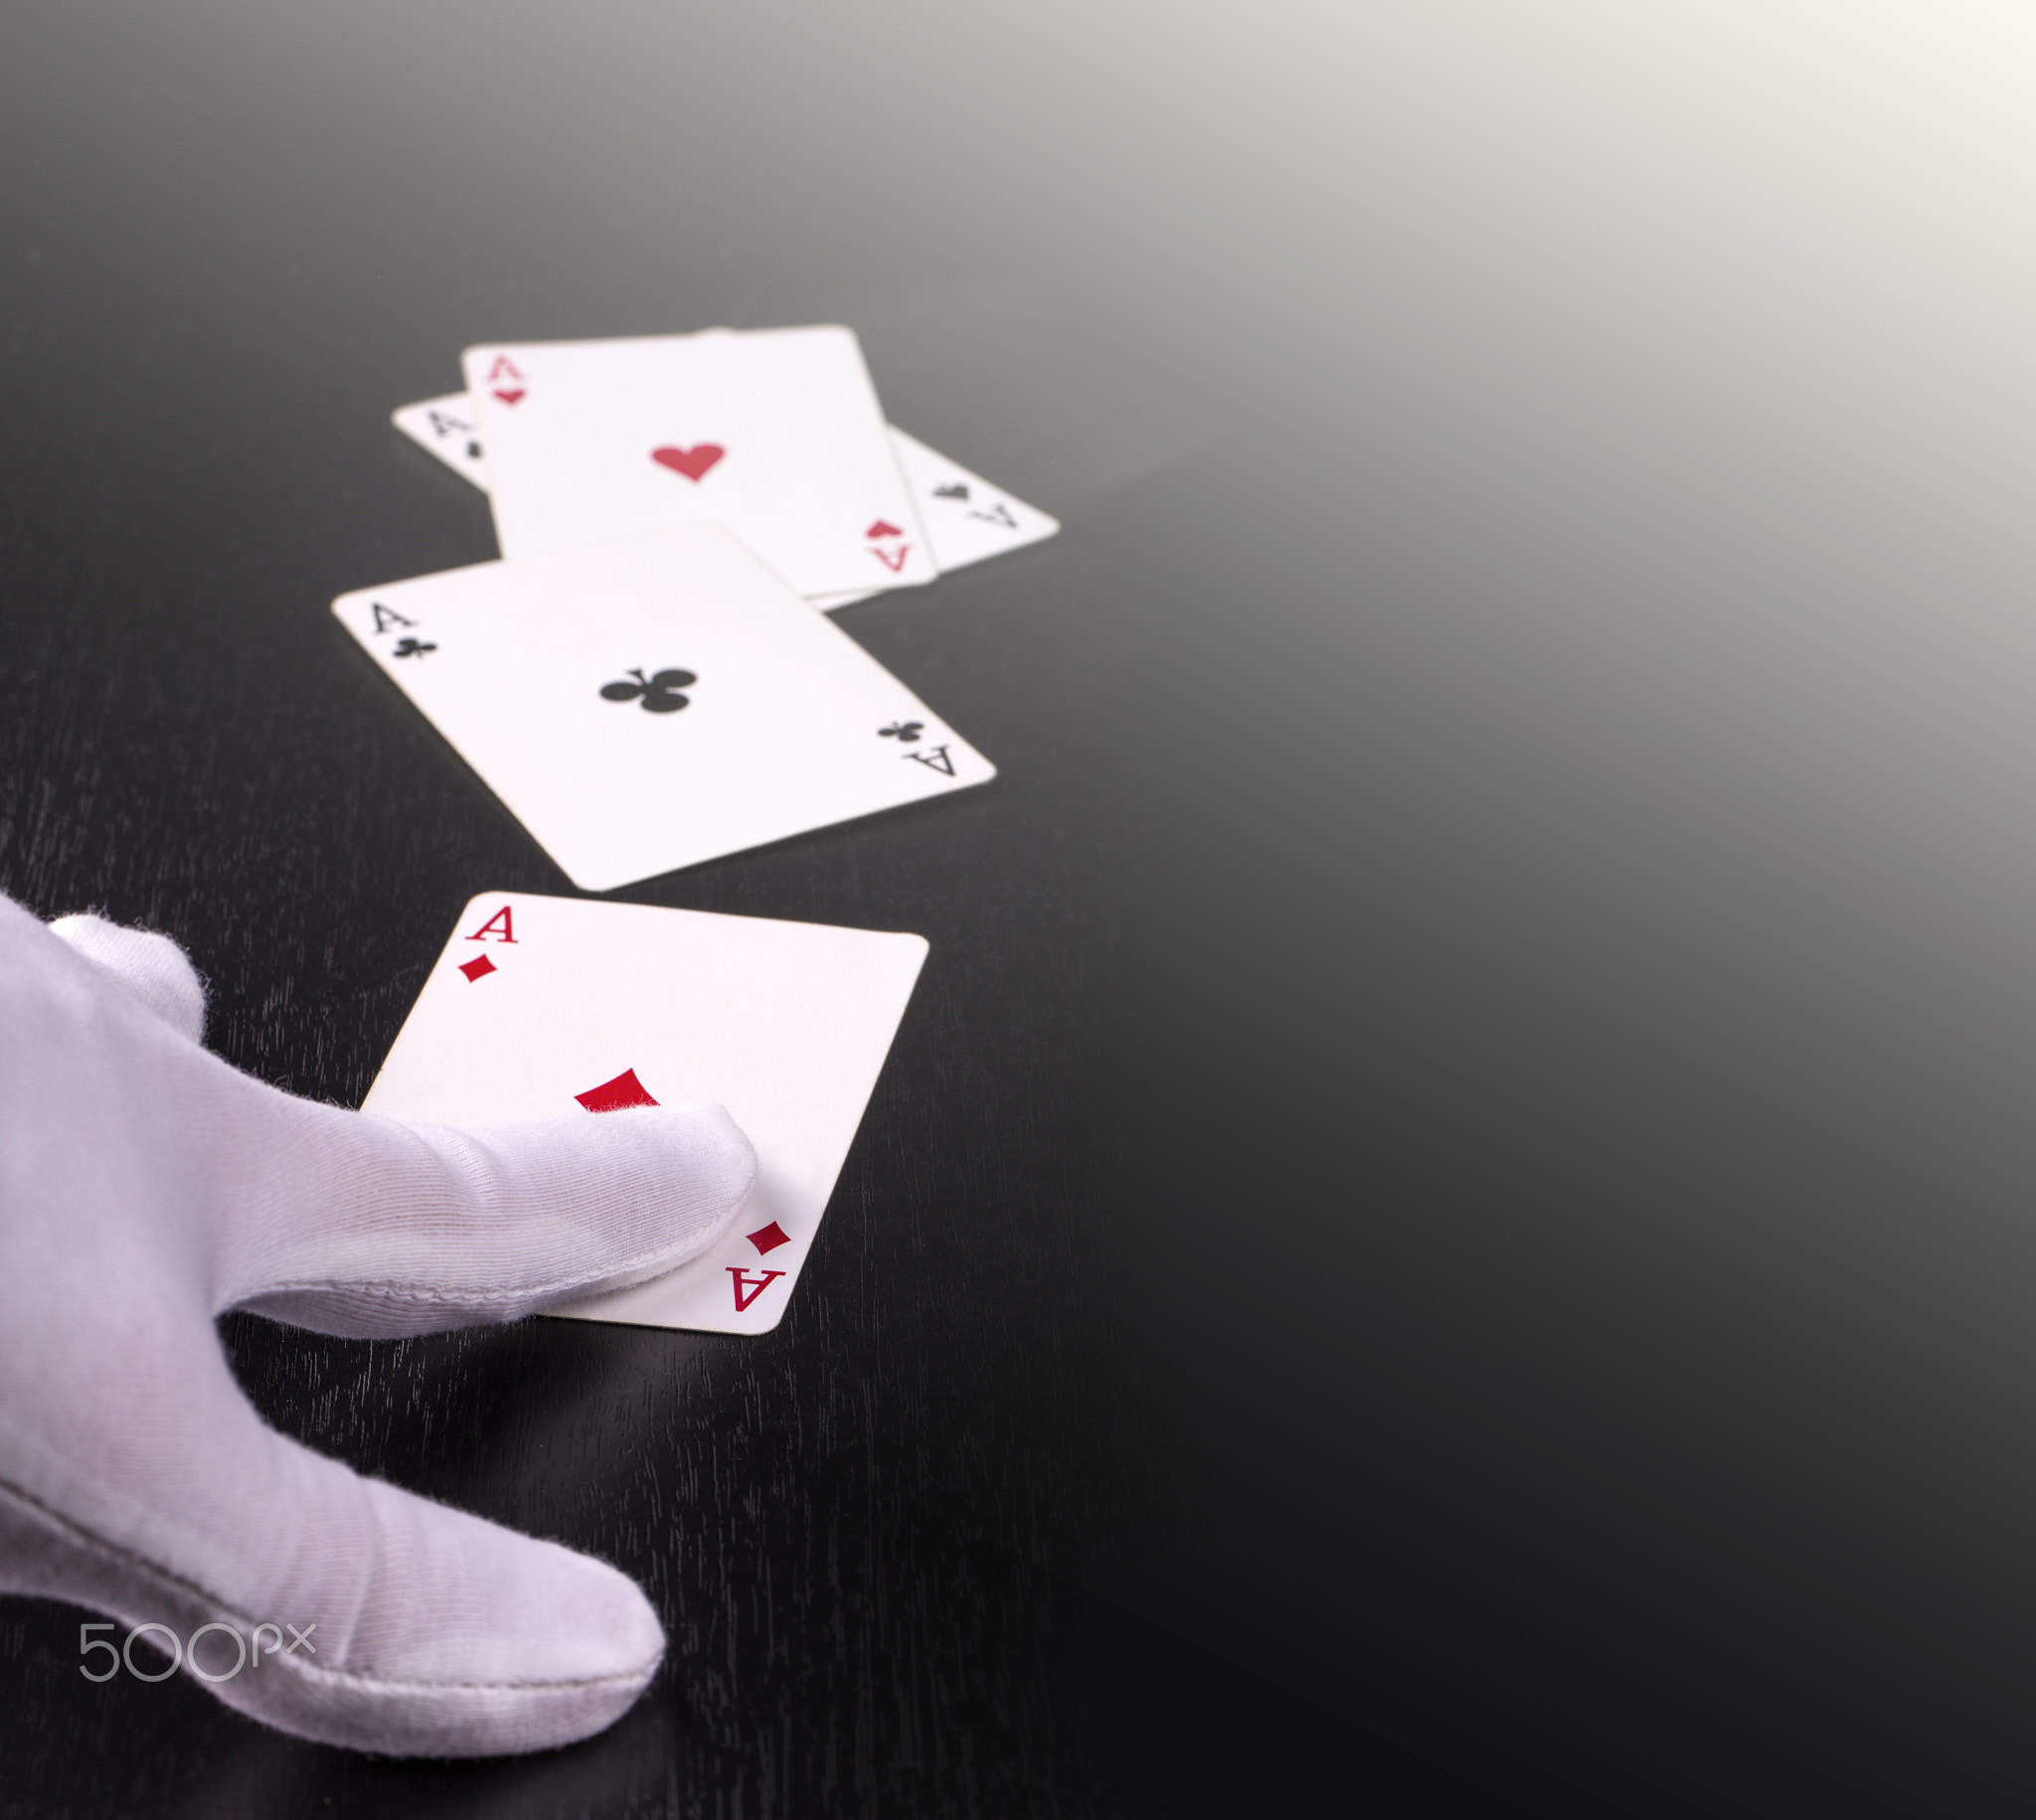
{"x": 480, "y": 898}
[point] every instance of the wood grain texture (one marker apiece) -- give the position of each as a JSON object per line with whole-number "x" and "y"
{"x": 1460, "y": 1167}
{"x": 858, "y": 1527}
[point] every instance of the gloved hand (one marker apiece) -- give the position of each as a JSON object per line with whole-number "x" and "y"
{"x": 144, "y": 1187}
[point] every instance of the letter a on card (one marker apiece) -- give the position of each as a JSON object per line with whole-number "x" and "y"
{"x": 501, "y": 922}
{"x": 749, "y": 1288}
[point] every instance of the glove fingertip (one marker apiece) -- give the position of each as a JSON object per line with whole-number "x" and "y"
{"x": 149, "y": 967}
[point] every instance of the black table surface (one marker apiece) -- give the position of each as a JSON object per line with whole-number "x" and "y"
{"x": 1450, "y": 1228}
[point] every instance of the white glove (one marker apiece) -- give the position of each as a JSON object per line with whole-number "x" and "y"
{"x": 144, "y": 1187}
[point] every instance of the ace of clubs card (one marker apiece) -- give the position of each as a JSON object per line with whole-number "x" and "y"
{"x": 560, "y": 1007}
{"x": 646, "y": 704}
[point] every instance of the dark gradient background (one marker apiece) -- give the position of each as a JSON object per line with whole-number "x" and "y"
{"x": 1460, "y": 1185}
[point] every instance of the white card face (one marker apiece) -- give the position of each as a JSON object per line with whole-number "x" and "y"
{"x": 651, "y": 703}
{"x": 966, "y": 519}
{"x": 445, "y": 428}
{"x": 776, "y": 435}
{"x": 541, "y": 1002}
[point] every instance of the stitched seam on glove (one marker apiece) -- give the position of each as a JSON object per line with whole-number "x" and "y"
{"x": 390, "y": 1290}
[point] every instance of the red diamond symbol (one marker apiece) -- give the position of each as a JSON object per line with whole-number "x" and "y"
{"x": 477, "y": 968}
{"x": 615, "y": 1096}
{"x": 768, "y": 1237}
{"x": 882, "y": 528}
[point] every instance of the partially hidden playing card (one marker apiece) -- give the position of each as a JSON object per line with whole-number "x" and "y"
{"x": 653, "y": 702}
{"x": 966, "y": 519}
{"x": 446, "y": 428}
{"x": 554, "y": 1007}
{"x": 776, "y": 435}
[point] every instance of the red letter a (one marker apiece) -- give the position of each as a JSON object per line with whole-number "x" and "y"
{"x": 755, "y": 1285}
{"x": 501, "y": 922}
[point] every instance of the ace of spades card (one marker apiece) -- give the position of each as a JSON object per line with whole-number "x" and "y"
{"x": 774, "y": 434}
{"x": 966, "y": 518}
{"x": 559, "y": 1007}
{"x": 650, "y": 703}
{"x": 444, "y": 426}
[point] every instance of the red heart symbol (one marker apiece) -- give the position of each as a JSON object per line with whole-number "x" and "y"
{"x": 882, "y": 528}
{"x": 509, "y": 394}
{"x": 691, "y": 462}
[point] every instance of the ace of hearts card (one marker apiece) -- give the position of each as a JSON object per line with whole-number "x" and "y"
{"x": 774, "y": 434}
{"x": 966, "y": 519}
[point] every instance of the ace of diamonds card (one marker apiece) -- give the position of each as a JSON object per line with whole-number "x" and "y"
{"x": 650, "y": 703}
{"x": 557, "y": 1007}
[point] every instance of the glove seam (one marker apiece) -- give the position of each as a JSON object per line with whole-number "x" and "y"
{"x": 395, "y": 1291}
{"x": 466, "y": 1298}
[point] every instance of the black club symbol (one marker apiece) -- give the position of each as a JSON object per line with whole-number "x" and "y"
{"x": 660, "y": 693}
{"x": 904, "y": 731}
{"x": 411, "y": 647}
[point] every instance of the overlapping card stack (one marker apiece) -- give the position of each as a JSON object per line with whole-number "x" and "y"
{"x": 648, "y": 679}
{"x": 643, "y": 679}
